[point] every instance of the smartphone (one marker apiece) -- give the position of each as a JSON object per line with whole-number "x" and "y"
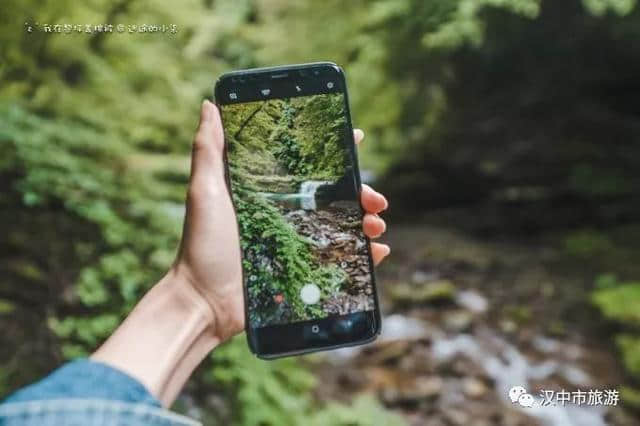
{"x": 292, "y": 171}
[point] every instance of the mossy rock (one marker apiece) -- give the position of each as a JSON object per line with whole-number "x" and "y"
{"x": 441, "y": 291}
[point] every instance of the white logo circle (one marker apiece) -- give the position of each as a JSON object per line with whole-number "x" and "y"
{"x": 515, "y": 393}
{"x": 526, "y": 400}
{"x": 310, "y": 294}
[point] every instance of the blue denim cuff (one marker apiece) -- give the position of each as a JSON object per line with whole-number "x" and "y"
{"x": 86, "y": 379}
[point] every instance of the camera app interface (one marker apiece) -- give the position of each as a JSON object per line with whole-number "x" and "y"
{"x": 292, "y": 182}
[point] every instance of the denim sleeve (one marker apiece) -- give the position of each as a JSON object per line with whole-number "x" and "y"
{"x": 87, "y": 393}
{"x": 85, "y": 379}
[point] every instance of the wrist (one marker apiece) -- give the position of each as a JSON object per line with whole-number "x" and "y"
{"x": 184, "y": 293}
{"x": 164, "y": 338}
{"x": 222, "y": 297}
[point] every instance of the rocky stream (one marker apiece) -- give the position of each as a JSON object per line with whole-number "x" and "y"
{"x": 464, "y": 321}
{"x": 337, "y": 238}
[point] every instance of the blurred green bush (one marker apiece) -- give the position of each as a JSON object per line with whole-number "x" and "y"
{"x": 620, "y": 302}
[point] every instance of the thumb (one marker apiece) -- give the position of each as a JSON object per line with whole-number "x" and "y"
{"x": 207, "y": 166}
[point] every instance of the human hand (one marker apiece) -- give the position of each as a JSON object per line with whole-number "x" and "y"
{"x": 199, "y": 302}
{"x": 209, "y": 259}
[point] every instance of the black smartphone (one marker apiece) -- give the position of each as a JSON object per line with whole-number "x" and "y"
{"x": 293, "y": 174}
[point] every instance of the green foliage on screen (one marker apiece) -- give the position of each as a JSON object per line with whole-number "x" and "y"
{"x": 265, "y": 233}
{"x": 285, "y": 142}
{"x": 273, "y": 146}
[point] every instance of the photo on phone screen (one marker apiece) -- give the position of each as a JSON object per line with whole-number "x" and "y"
{"x": 293, "y": 185}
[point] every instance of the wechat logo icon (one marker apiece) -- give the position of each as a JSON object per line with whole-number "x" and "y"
{"x": 518, "y": 394}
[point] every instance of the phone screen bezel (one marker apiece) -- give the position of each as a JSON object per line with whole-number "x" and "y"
{"x": 333, "y": 331}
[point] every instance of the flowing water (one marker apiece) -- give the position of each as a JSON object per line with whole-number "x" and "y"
{"x": 304, "y": 199}
{"x": 504, "y": 363}
{"x": 509, "y": 367}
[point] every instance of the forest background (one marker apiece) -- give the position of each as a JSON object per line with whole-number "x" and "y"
{"x": 500, "y": 121}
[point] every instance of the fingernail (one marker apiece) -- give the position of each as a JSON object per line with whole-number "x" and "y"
{"x": 386, "y": 203}
{"x": 386, "y": 249}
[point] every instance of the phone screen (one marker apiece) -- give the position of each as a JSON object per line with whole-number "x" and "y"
{"x": 293, "y": 178}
